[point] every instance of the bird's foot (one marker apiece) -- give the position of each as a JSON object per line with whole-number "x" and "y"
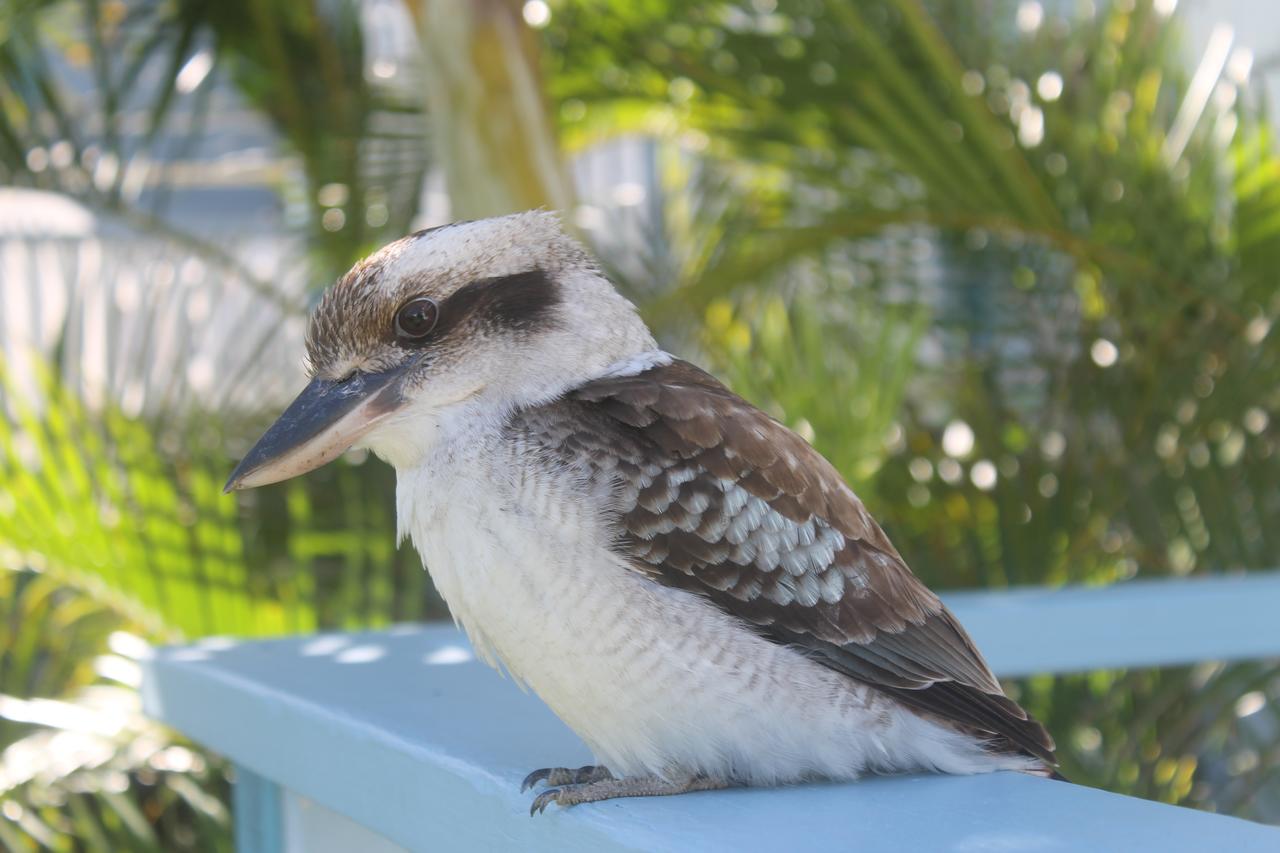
{"x": 554, "y": 776}
{"x": 630, "y": 786}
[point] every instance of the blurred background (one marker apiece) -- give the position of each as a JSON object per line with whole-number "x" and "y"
{"x": 1012, "y": 266}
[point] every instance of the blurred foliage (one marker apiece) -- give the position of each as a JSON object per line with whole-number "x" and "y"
{"x": 1017, "y": 281}
{"x": 800, "y": 361}
{"x": 79, "y": 76}
{"x": 359, "y": 140}
{"x": 88, "y": 770}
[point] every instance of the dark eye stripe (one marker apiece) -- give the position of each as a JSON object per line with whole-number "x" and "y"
{"x": 523, "y": 302}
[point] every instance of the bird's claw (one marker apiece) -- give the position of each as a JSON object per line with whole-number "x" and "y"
{"x": 565, "y": 785}
{"x": 556, "y": 776}
{"x": 539, "y": 775}
{"x": 546, "y": 798}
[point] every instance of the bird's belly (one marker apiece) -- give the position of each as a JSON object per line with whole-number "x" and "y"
{"x": 654, "y": 679}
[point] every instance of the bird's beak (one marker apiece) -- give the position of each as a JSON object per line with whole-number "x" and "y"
{"x": 326, "y": 418}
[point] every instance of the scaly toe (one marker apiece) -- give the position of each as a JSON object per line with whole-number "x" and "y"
{"x": 605, "y": 787}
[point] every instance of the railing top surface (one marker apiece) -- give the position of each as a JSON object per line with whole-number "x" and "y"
{"x": 405, "y": 732}
{"x": 1141, "y": 623}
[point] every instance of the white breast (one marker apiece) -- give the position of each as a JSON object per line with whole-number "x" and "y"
{"x": 654, "y": 679}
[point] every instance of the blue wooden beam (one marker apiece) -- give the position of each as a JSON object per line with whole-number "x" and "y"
{"x": 1132, "y": 624}
{"x": 404, "y": 732}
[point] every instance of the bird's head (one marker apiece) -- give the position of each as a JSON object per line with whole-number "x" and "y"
{"x": 471, "y": 320}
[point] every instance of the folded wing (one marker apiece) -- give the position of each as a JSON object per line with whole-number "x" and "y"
{"x": 720, "y": 499}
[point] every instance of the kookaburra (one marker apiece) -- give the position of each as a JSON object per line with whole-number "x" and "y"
{"x": 687, "y": 583}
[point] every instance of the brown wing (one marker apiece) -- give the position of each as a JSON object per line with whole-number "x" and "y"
{"x": 718, "y": 498}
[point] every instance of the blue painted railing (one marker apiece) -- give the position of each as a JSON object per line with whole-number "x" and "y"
{"x": 400, "y": 739}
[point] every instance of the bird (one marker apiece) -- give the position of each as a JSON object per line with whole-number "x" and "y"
{"x": 688, "y": 584}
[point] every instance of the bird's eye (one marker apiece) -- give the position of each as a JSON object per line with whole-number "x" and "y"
{"x": 416, "y": 318}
